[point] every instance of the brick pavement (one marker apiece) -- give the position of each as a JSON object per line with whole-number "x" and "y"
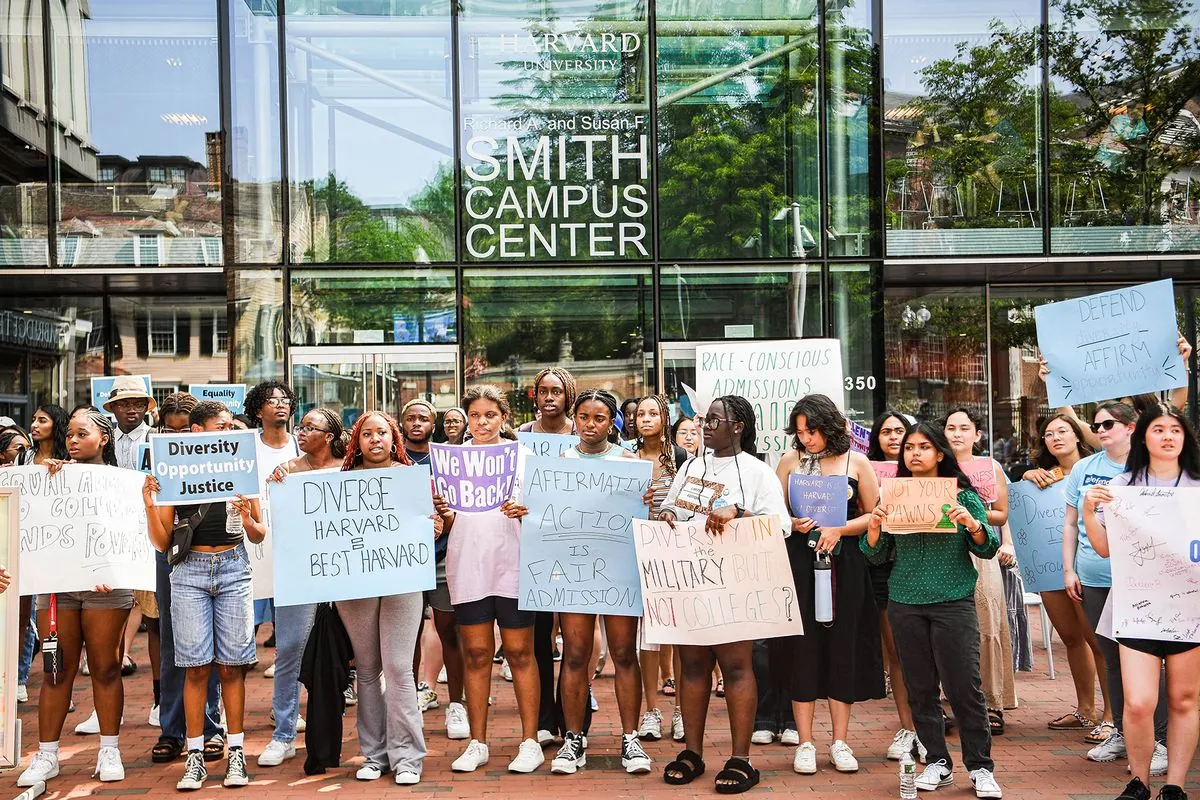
{"x": 1032, "y": 761}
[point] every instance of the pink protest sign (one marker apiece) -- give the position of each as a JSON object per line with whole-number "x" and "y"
{"x": 884, "y": 470}
{"x": 981, "y": 470}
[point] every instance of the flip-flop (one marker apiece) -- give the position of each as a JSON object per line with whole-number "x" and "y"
{"x": 669, "y": 687}
{"x": 1070, "y": 722}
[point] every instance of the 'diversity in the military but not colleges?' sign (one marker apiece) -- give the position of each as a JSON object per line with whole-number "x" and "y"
{"x": 564, "y": 181}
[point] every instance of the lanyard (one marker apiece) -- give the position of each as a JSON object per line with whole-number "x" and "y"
{"x": 54, "y": 616}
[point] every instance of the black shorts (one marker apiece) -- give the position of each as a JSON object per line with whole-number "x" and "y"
{"x": 501, "y": 610}
{"x": 1154, "y": 647}
{"x": 880, "y": 575}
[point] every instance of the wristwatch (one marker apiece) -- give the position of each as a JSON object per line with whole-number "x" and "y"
{"x": 737, "y": 507}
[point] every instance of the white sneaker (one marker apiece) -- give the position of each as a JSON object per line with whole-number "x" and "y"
{"x": 633, "y": 757}
{"x": 194, "y": 773}
{"x": 458, "y": 726}
{"x": 842, "y": 757}
{"x": 529, "y": 757}
{"x": 902, "y": 743}
{"x": 474, "y": 757}
{"x": 570, "y": 757}
{"x": 301, "y": 725}
{"x": 1110, "y": 749}
{"x": 985, "y": 783}
{"x": 506, "y": 671}
{"x": 108, "y": 765}
{"x": 441, "y": 678}
{"x": 269, "y": 672}
{"x": 235, "y": 769}
{"x": 90, "y": 726}
{"x": 677, "y": 725}
{"x": 369, "y": 772}
{"x": 276, "y": 752}
{"x": 936, "y": 775}
{"x": 42, "y": 767}
{"x": 805, "y": 761}
{"x": 1158, "y": 761}
{"x": 545, "y": 737}
{"x": 790, "y": 737}
{"x": 426, "y": 697}
{"x": 651, "y": 727}
{"x": 407, "y": 777}
{"x": 762, "y": 737}
{"x": 153, "y": 719}
{"x": 22, "y": 693}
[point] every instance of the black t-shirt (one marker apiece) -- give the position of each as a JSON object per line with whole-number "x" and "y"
{"x": 214, "y": 529}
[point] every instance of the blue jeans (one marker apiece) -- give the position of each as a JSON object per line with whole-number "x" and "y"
{"x": 292, "y": 626}
{"x": 214, "y": 609}
{"x": 26, "y": 661}
{"x": 264, "y": 611}
{"x": 171, "y": 677}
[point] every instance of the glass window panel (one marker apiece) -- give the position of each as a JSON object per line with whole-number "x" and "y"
{"x": 601, "y": 327}
{"x": 1125, "y": 166}
{"x": 744, "y": 302}
{"x": 370, "y": 131}
{"x": 256, "y": 211}
{"x": 362, "y": 307}
{"x": 24, "y": 199}
{"x": 850, "y": 289}
{"x": 256, "y": 303}
{"x": 65, "y": 337}
{"x": 737, "y": 128}
{"x": 137, "y": 98}
{"x": 961, "y": 127}
{"x": 168, "y": 338}
{"x": 556, "y": 136}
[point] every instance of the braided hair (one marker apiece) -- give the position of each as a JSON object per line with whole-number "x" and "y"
{"x": 354, "y": 449}
{"x": 599, "y": 396}
{"x": 338, "y": 446}
{"x": 741, "y": 411}
{"x": 567, "y": 379}
{"x": 108, "y": 454}
{"x": 666, "y": 444}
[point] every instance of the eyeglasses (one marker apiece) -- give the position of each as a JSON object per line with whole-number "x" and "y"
{"x": 1057, "y": 434}
{"x": 1106, "y": 425}
{"x": 279, "y": 401}
{"x": 310, "y": 429}
{"x": 712, "y": 422}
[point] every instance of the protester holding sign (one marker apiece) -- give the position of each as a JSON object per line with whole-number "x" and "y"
{"x": 1059, "y": 450}
{"x": 727, "y": 483}
{"x": 964, "y": 431}
{"x": 322, "y": 443}
{"x": 212, "y": 605}
{"x": 931, "y": 605}
{"x": 883, "y": 451}
{"x": 1087, "y": 576}
{"x": 66, "y": 630}
{"x": 1163, "y": 452}
{"x": 840, "y": 661}
{"x": 482, "y": 567}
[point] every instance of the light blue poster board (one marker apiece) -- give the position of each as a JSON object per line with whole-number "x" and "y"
{"x": 548, "y": 444}
{"x": 348, "y": 535}
{"x": 1113, "y": 344}
{"x": 1035, "y": 517}
{"x": 233, "y": 395}
{"x": 204, "y": 467}
{"x": 577, "y": 550}
{"x": 102, "y": 388}
{"x": 143, "y": 459}
{"x": 821, "y": 498}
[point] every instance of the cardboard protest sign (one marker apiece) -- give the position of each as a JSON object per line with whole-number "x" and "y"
{"x": 548, "y": 444}
{"x": 233, "y": 395}
{"x": 1154, "y": 549}
{"x": 102, "y": 386}
{"x": 347, "y": 535}
{"x": 10, "y": 527}
{"x": 82, "y": 527}
{"x": 821, "y": 498}
{"x": 1035, "y": 517}
{"x": 919, "y": 505}
{"x": 981, "y": 471}
{"x": 772, "y": 376}
{"x": 204, "y": 467}
{"x": 1111, "y": 344}
{"x": 706, "y": 589}
{"x": 474, "y": 478}
{"x": 884, "y": 470}
{"x": 577, "y": 551}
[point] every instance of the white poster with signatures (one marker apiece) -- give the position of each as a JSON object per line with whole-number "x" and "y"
{"x": 1154, "y": 541}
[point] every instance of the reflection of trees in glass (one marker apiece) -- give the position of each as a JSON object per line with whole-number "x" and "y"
{"x": 341, "y": 304}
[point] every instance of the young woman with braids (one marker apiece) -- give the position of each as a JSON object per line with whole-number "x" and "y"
{"x": 726, "y": 483}
{"x": 554, "y": 395}
{"x": 322, "y": 442}
{"x": 383, "y": 631}
{"x": 482, "y": 565}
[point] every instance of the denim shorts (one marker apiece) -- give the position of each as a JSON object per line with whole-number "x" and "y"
{"x": 212, "y": 609}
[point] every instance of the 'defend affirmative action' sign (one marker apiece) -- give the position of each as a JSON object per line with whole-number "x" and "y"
{"x": 1112, "y": 344}
{"x": 204, "y": 467}
{"x": 475, "y": 478}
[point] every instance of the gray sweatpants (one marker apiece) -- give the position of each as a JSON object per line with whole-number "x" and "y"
{"x": 383, "y": 631}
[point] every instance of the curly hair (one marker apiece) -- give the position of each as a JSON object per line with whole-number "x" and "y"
{"x": 666, "y": 443}
{"x": 58, "y": 416}
{"x": 742, "y": 412}
{"x": 823, "y": 416}
{"x": 108, "y": 453}
{"x": 567, "y": 379}
{"x": 206, "y": 410}
{"x": 354, "y": 449}
{"x": 257, "y": 397}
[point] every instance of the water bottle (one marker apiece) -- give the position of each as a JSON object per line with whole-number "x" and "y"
{"x": 908, "y": 777}
{"x": 823, "y": 588}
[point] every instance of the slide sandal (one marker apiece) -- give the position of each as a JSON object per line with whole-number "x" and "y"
{"x": 743, "y": 776}
{"x": 686, "y": 767}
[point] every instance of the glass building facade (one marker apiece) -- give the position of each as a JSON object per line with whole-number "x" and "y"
{"x": 376, "y": 199}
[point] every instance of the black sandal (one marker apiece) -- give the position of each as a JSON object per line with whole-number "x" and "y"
{"x": 214, "y": 748}
{"x": 745, "y": 777}
{"x": 166, "y": 750}
{"x": 996, "y": 721}
{"x": 689, "y": 766}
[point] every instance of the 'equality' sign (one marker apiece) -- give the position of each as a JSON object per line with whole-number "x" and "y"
{"x": 349, "y": 535}
{"x": 204, "y": 467}
{"x": 1111, "y": 344}
{"x": 577, "y": 551}
{"x": 1035, "y": 517}
{"x": 708, "y": 589}
{"x": 474, "y": 478}
{"x": 233, "y": 395}
{"x": 83, "y": 527}
{"x": 919, "y": 505}
{"x": 821, "y": 498}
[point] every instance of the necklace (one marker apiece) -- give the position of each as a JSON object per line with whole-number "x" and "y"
{"x": 417, "y": 457}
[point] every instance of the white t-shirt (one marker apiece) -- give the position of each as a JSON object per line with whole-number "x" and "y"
{"x": 733, "y": 480}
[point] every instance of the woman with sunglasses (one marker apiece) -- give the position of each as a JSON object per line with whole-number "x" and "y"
{"x": 1163, "y": 453}
{"x": 1088, "y": 579}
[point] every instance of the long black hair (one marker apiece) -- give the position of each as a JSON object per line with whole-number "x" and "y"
{"x": 823, "y": 416}
{"x": 741, "y": 411}
{"x": 57, "y": 415}
{"x": 976, "y": 420}
{"x": 874, "y": 449}
{"x": 947, "y": 467}
{"x": 1138, "y": 463}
